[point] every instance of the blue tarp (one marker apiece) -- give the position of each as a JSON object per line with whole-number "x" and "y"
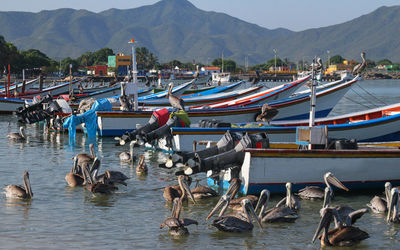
{"x": 89, "y": 118}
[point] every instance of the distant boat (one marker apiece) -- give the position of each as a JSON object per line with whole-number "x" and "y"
{"x": 221, "y": 77}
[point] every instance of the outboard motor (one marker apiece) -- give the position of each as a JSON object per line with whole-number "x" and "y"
{"x": 227, "y": 142}
{"x": 218, "y": 162}
{"x": 157, "y": 119}
{"x": 42, "y": 110}
{"x": 177, "y": 119}
{"x": 213, "y": 124}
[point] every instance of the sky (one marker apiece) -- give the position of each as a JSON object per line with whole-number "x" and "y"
{"x": 295, "y": 15}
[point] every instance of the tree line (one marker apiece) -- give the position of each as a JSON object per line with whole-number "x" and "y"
{"x": 146, "y": 60}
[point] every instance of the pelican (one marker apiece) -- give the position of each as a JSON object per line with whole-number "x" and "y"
{"x": 339, "y": 236}
{"x": 256, "y": 79}
{"x": 315, "y": 192}
{"x": 234, "y": 223}
{"x": 177, "y": 225}
{"x": 233, "y": 189}
{"x": 96, "y": 187}
{"x": 378, "y": 204}
{"x": 141, "y": 168}
{"x": 393, "y": 211}
{"x": 175, "y": 101}
{"x": 203, "y": 192}
{"x": 346, "y": 214}
{"x": 318, "y": 66}
{"x": 74, "y": 177}
{"x": 128, "y": 156}
{"x": 276, "y": 214}
{"x": 267, "y": 113}
{"x": 289, "y": 201}
{"x": 109, "y": 176}
{"x": 179, "y": 191}
{"x": 17, "y": 136}
{"x": 85, "y": 159}
{"x": 361, "y": 66}
{"x": 20, "y": 192}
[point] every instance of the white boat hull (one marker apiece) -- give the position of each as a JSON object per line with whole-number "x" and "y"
{"x": 272, "y": 168}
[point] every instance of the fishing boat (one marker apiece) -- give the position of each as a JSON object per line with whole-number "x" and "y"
{"x": 53, "y": 90}
{"x": 275, "y": 93}
{"x": 115, "y": 123}
{"x": 374, "y": 125}
{"x": 10, "y": 105}
{"x": 177, "y": 90}
{"x": 28, "y": 85}
{"x": 356, "y": 166}
{"x": 204, "y": 97}
{"x": 272, "y": 168}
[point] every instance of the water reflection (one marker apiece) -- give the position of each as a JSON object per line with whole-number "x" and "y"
{"x": 23, "y": 205}
{"x": 100, "y": 200}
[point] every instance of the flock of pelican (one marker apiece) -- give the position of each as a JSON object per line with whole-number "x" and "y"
{"x": 243, "y": 210}
{"x": 246, "y": 210}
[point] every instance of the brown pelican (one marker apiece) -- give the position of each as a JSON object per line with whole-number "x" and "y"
{"x": 96, "y": 187}
{"x": 256, "y": 79}
{"x": 175, "y": 101}
{"x": 179, "y": 191}
{"x": 234, "y": 223}
{"x": 361, "y": 66}
{"x": 141, "y": 167}
{"x": 318, "y": 65}
{"x": 18, "y": 191}
{"x": 393, "y": 211}
{"x": 233, "y": 189}
{"x": 346, "y": 214}
{"x": 378, "y": 204}
{"x": 289, "y": 201}
{"x": 267, "y": 113}
{"x": 17, "y": 136}
{"x": 339, "y": 236}
{"x": 109, "y": 176}
{"x": 315, "y": 192}
{"x": 177, "y": 225}
{"x": 128, "y": 156}
{"x": 276, "y": 214}
{"x": 85, "y": 159}
{"x": 202, "y": 192}
{"x": 74, "y": 177}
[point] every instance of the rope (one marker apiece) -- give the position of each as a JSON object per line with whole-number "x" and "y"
{"x": 371, "y": 94}
{"x": 356, "y": 102}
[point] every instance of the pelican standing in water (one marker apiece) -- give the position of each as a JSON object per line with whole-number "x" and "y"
{"x": 177, "y": 225}
{"x": 141, "y": 168}
{"x": 179, "y": 191}
{"x": 378, "y": 204}
{"x": 361, "y": 66}
{"x": 315, "y": 192}
{"x": 175, "y": 101}
{"x": 18, "y": 191}
{"x": 17, "y": 136}
{"x": 128, "y": 156}
{"x": 343, "y": 236}
{"x": 237, "y": 223}
{"x": 276, "y": 214}
{"x": 74, "y": 177}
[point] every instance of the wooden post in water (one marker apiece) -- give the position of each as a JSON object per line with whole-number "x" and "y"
{"x": 8, "y": 81}
{"x": 40, "y": 81}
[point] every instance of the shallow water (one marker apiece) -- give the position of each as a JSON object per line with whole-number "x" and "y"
{"x": 60, "y": 217}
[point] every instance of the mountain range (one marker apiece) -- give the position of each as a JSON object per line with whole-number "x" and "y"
{"x": 176, "y": 29}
